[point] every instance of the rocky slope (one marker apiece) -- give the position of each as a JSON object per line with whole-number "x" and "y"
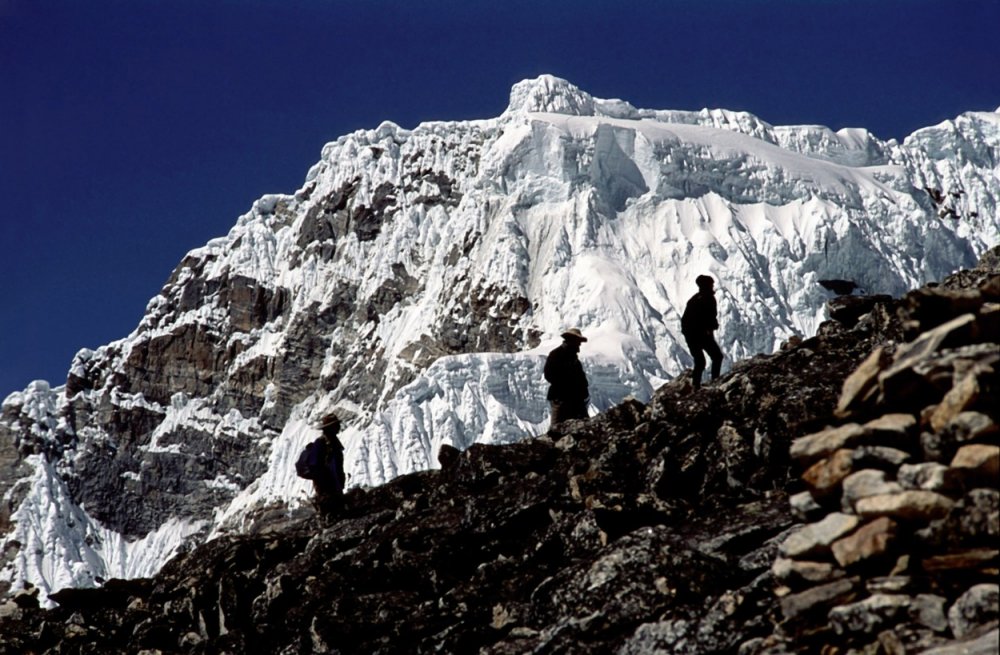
{"x": 416, "y": 280}
{"x": 669, "y": 527}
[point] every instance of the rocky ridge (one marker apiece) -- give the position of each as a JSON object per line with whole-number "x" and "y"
{"x": 669, "y": 527}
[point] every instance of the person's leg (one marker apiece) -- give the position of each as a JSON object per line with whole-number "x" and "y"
{"x": 699, "y": 361}
{"x": 556, "y": 413}
{"x": 329, "y": 505}
{"x": 713, "y": 350}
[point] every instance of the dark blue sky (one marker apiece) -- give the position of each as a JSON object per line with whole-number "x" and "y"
{"x": 132, "y": 132}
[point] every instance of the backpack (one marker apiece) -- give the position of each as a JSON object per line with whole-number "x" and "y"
{"x": 315, "y": 463}
{"x": 310, "y": 462}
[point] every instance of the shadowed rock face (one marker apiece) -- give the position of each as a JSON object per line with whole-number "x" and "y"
{"x": 650, "y": 528}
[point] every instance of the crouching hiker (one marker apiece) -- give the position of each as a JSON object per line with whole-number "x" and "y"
{"x": 322, "y": 461}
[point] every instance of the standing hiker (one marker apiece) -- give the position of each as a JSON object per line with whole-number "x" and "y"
{"x": 700, "y": 319}
{"x": 569, "y": 394}
{"x": 322, "y": 461}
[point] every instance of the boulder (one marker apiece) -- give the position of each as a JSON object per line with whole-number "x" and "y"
{"x": 976, "y": 465}
{"x": 975, "y": 608}
{"x": 798, "y": 573}
{"x": 869, "y": 615}
{"x": 906, "y": 505}
{"x": 893, "y": 429}
{"x": 861, "y": 385}
{"x": 973, "y": 522}
{"x": 879, "y": 457}
{"x": 959, "y": 398}
{"x": 816, "y": 537}
{"x": 987, "y": 643}
{"x": 903, "y": 384}
{"x": 824, "y": 476}
{"x": 929, "y": 610}
{"x": 864, "y": 484}
{"x": 928, "y": 476}
{"x": 804, "y": 506}
{"x": 819, "y": 599}
{"x": 813, "y": 447}
{"x": 872, "y": 541}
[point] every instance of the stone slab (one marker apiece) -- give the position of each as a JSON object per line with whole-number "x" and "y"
{"x": 816, "y": 537}
{"x": 913, "y": 505}
{"x": 814, "y": 447}
{"x": 870, "y": 541}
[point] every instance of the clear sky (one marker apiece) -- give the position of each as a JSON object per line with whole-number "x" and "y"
{"x": 133, "y": 131}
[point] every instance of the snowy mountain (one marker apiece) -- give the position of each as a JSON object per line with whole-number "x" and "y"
{"x": 416, "y": 281}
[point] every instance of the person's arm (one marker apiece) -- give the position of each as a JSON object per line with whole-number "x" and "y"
{"x": 553, "y": 367}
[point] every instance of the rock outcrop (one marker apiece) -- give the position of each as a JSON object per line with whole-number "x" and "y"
{"x": 902, "y": 549}
{"x": 672, "y": 527}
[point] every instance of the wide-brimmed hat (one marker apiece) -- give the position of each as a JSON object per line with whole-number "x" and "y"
{"x": 328, "y": 421}
{"x": 573, "y": 333}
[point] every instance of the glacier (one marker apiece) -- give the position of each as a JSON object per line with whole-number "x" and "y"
{"x": 417, "y": 279}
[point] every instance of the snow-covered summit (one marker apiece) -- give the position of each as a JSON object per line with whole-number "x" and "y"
{"x": 416, "y": 280}
{"x": 550, "y": 94}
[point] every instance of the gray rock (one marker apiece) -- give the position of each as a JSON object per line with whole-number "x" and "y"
{"x": 10, "y": 610}
{"x": 975, "y": 608}
{"x": 863, "y": 484}
{"x": 661, "y": 638}
{"x": 869, "y": 615}
{"x": 929, "y": 476}
{"x": 805, "y": 506}
{"x": 798, "y": 573}
{"x": 974, "y": 521}
{"x": 903, "y": 383}
{"x": 879, "y": 457}
{"x": 987, "y": 643}
{"x": 817, "y": 537}
{"x": 962, "y": 395}
{"x": 892, "y": 429}
{"x": 967, "y": 427}
{"x": 929, "y": 610}
{"x": 819, "y": 599}
{"x": 862, "y": 384}
{"x": 813, "y": 447}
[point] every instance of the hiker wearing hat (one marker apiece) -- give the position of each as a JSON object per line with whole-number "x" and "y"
{"x": 569, "y": 394}
{"x": 699, "y": 321}
{"x": 322, "y": 461}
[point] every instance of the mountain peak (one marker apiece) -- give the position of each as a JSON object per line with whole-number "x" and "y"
{"x": 554, "y": 95}
{"x": 548, "y": 93}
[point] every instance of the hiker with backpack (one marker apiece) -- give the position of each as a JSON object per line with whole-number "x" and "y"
{"x": 322, "y": 461}
{"x": 699, "y": 321}
{"x": 569, "y": 394}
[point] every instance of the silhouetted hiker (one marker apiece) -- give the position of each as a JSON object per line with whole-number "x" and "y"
{"x": 697, "y": 324}
{"x": 569, "y": 394}
{"x": 322, "y": 461}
